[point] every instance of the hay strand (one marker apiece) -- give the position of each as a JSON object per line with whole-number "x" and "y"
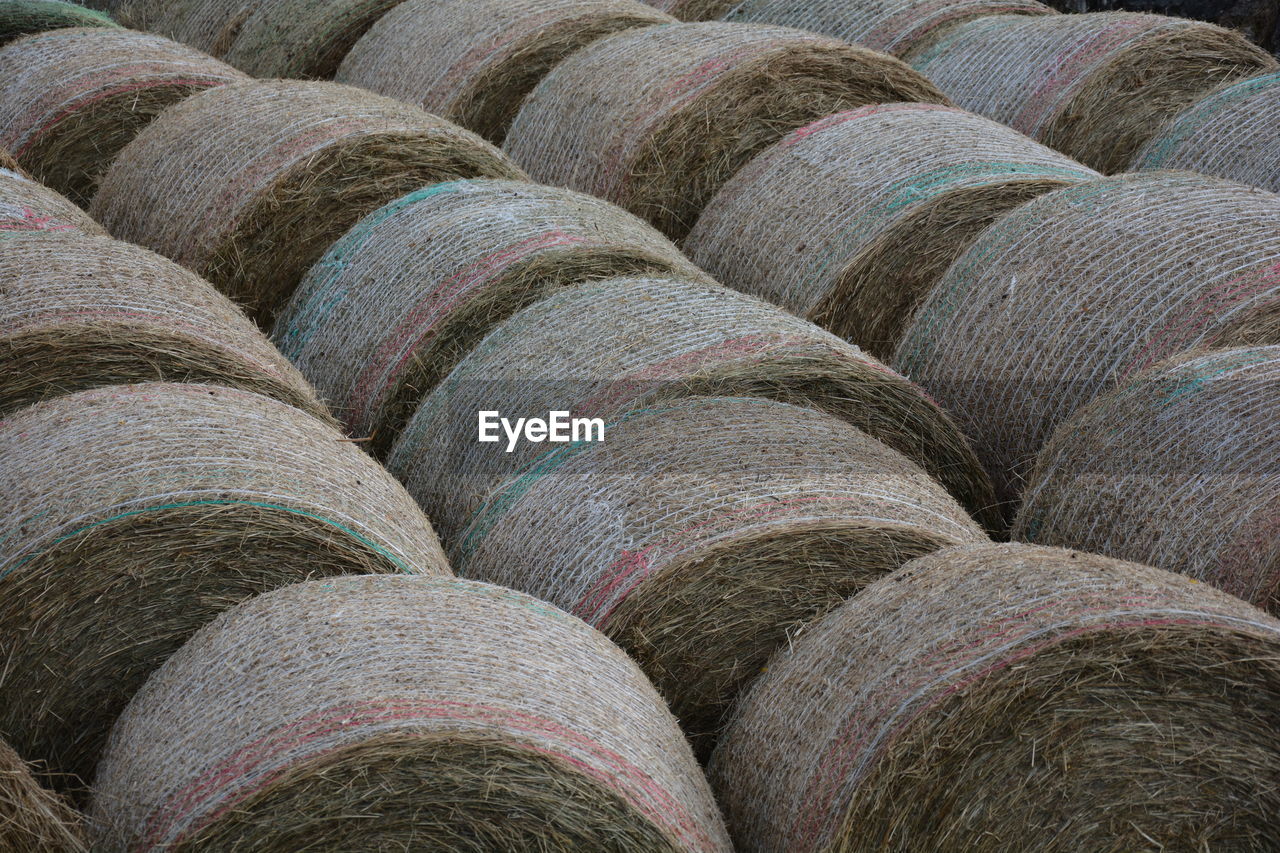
{"x": 33, "y": 819}
{"x": 27, "y": 205}
{"x": 24, "y": 17}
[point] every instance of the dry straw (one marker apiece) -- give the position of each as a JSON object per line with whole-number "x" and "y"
{"x": 249, "y": 184}
{"x": 71, "y": 99}
{"x": 79, "y": 312}
{"x": 851, "y": 220}
{"x": 602, "y": 349}
{"x": 33, "y": 819}
{"x": 23, "y": 17}
{"x": 393, "y": 305}
{"x": 135, "y": 514}
{"x": 1094, "y": 86}
{"x": 475, "y": 61}
{"x": 657, "y": 119}
{"x": 401, "y": 713}
{"x": 1082, "y": 287}
{"x": 26, "y": 205}
{"x": 700, "y": 534}
{"x": 1006, "y": 697}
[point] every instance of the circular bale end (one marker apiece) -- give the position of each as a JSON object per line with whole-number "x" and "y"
{"x": 474, "y": 63}
{"x": 1031, "y": 698}
{"x": 927, "y": 180}
{"x": 24, "y": 17}
{"x": 137, "y": 513}
{"x": 31, "y": 817}
{"x": 27, "y": 205}
{"x": 248, "y": 184}
{"x": 657, "y": 119}
{"x": 397, "y": 302}
{"x": 73, "y": 98}
{"x": 418, "y": 713}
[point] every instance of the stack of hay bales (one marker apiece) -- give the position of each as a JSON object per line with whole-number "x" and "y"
{"x": 657, "y": 119}
{"x": 1017, "y": 698}
{"x": 248, "y": 184}
{"x": 24, "y": 17}
{"x": 475, "y": 61}
{"x": 406, "y": 713}
{"x": 851, "y": 220}
{"x": 27, "y": 205}
{"x": 33, "y": 819}
{"x": 71, "y": 99}
{"x": 1095, "y": 86}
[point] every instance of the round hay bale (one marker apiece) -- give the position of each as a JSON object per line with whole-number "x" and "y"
{"x": 71, "y": 99}
{"x": 1258, "y": 20}
{"x": 475, "y": 61}
{"x": 657, "y": 119}
{"x": 33, "y": 819}
{"x": 409, "y": 713}
{"x": 603, "y": 349}
{"x": 1083, "y": 287}
{"x": 926, "y": 179}
{"x": 393, "y": 305}
{"x": 249, "y": 184}
{"x": 1012, "y": 697}
{"x": 23, "y": 17}
{"x": 135, "y": 514}
{"x": 700, "y": 534}
{"x": 1231, "y": 133}
{"x": 27, "y": 205}
{"x": 1176, "y": 468}
{"x": 1094, "y": 86}
{"x": 79, "y": 312}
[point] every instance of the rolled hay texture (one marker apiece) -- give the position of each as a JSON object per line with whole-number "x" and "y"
{"x": 23, "y": 17}
{"x": 702, "y": 533}
{"x": 27, "y": 205}
{"x": 79, "y": 312}
{"x": 32, "y": 818}
{"x": 135, "y": 514}
{"x": 1095, "y": 86}
{"x": 851, "y": 220}
{"x": 657, "y": 119}
{"x": 475, "y": 61}
{"x": 248, "y": 184}
{"x": 1082, "y": 288}
{"x": 393, "y": 305}
{"x": 606, "y": 348}
{"x": 71, "y": 99}
{"x": 1259, "y": 20}
{"x": 1088, "y": 704}
{"x": 7, "y": 162}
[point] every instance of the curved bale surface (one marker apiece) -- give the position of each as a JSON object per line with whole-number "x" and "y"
{"x": 70, "y": 100}
{"x": 702, "y": 533}
{"x": 27, "y": 205}
{"x": 1176, "y": 468}
{"x": 393, "y": 305}
{"x": 33, "y": 819}
{"x": 78, "y": 312}
{"x": 1083, "y": 287}
{"x": 603, "y": 349}
{"x": 657, "y": 119}
{"x": 249, "y": 184}
{"x": 1094, "y": 86}
{"x": 475, "y": 61}
{"x": 137, "y": 513}
{"x": 1231, "y": 133}
{"x": 417, "y": 714}
{"x": 1065, "y": 700}
{"x": 24, "y": 17}
{"x": 851, "y": 220}
{"x": 1259, "y": 20}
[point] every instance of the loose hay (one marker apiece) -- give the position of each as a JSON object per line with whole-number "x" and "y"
{"x": 475, "y": 61}
{"x": 657, "y": 119}
{"x": 27, "y": 205}
{"x": 393, "y": 305}
{"x": 32, "y": 819}
{"x": 1083, "y": 287}
{"x": 417, "y": 713}
{"x": 851, "y": 220}
{"x": 71, "y": 99}
{"x": 23, "y": 17}
{"x": 1094, "y": 86}
{"x": 249, "y": 184}
{"x": 135, "y": 514}
{"x": 1005, "y": 697}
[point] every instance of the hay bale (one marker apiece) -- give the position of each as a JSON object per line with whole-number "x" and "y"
{"x": 393, "y": 305}
{"x": 1006, "y": 697}
{"x": 27, "y": 205}
{"x": 1083, "y": 287}
{"x": 657, "y": 119}
{"x": 71, "y": 99}
{"x": 1230, "y": 133}
{"x": 1258, "y": 20}
{"x": 926, "y": 179}
{"x": 135, "y": 514}
{"x": 1094, "y": 86}
{"x": 417, "y": 714}
{"x": 33, "y": 819}
{"x": 249, "y": 184}
{"x": 475, "y": 61}
{"x": 23, "y": 17}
